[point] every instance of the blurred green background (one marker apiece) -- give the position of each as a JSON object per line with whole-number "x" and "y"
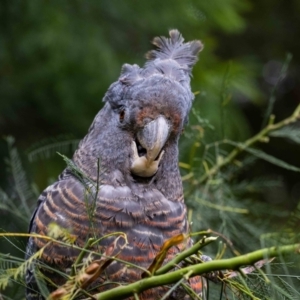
{"x": 57, "y": 59}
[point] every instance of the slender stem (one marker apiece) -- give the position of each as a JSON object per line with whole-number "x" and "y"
{"x": 190, "y": 291}
{"x": 81, "y": 255}
{"x": 171, "y": 290}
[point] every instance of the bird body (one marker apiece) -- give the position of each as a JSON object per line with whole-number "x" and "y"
{"x": 129, "y": 180}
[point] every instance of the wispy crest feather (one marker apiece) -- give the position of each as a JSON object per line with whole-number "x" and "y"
{"x": 185, "y": 54}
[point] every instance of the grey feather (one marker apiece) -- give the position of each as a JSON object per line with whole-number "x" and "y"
{"x": 174, "y": 48}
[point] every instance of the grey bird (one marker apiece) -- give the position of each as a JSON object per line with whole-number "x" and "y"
{"x": 125, "y": 178}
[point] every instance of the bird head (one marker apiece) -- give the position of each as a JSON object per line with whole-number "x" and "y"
{"x": 146, "y": 109}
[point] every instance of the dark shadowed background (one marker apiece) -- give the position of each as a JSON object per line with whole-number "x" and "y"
{"x": 57, "y": 59}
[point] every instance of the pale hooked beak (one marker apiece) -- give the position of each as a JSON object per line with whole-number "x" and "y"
{"x": 152, "y": 138}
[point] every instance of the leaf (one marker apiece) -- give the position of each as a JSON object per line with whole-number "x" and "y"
{"x": 271, "y": 159}
{"x": 55, "y": 231}
{"x": 41, "y": 283}
{"x": 48, "y": 148}
{"x": 21, "y": 185}
{"x": 272, "y": 98}
{"x": 289, "y": 132}
{"x": 160, "y": 257}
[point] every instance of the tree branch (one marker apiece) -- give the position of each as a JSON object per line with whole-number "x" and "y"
{"x": 235, "y": 263}
{"x": 261, "y": 136}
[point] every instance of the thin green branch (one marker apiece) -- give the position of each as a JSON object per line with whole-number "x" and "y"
{"x": 122, "y": 292}
{"x": 81, "y": 256}
{"x": 190, "y": 291}
{"x": 172, "y": 289}
{"x": 260, "y": 136}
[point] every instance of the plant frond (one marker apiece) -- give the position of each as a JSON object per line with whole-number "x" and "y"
{"x": 49, "y": 147}
{"x": 21, "y": 185}
{"x": 289, "y": 132}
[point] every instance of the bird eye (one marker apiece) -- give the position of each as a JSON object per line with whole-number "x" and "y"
{"x": 122, "y": 115}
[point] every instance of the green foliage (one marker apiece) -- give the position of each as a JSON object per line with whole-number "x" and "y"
{"x": 57, "y": 61}
{"x": 25, "y": 193}
{"x": 49, "y": 147}
{"x": 213, "y": 183}
{"x": 63, "y": 56}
